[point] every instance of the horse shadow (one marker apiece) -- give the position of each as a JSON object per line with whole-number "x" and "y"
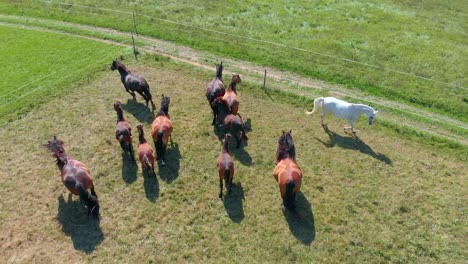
{"x": 233, "y": 202}
{"x": 151, "y": 186}
{"x": 301, "y": 220}
{"x": 84, "y": 231}
{"x": 129, "y": 168}
{"x": 248, "y": 125}
{"x": 170, "y": 172}
{"x": 241, "y": 155}
{"x": 355, "y": 143}
{"x": 139, "y": 110}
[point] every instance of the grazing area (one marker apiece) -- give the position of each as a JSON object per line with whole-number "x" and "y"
{"x": 408, "y": 51}
{"x": 383, "y": 197}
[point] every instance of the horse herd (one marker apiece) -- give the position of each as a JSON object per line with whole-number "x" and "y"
{"x": 224, "y": 104}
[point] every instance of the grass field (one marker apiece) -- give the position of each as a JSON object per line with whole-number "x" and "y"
{"x": 42, "y": 65}
{"x": 390, "y": 197}
{"x": 426, "y": 40}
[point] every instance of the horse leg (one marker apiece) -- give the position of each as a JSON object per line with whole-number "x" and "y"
{"x": 220, "y": 187}
{"x": 144, "y": 96}
{"x": 238, "y": 139}
{"x": 132, "y": 153}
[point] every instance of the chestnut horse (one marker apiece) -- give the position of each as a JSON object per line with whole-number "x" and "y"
{"x": 133, "y": 82}
{"x": 123, "y": 131}
{"x": 75, "y": 176}
{"x": 231, "y": 95}
{"x": 161, "y": 130}
{"x": 225, "y": 167}
{"x": 145, "y": 152}
{"x": 215, "y": 89}
{"x": 287, "y": 173}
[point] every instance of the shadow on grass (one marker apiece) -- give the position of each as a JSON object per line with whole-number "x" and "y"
{"x": 170, "y": 172}
{"x": 242, "y": 155}
{"x": 139, "y": 110}
{"x": 301, "y": 220}
{"x": 151, "y": 186}
{"x": 233, "y": 202}
{"x": 84, "y": 231}
{"x": 353, "y": 142}
{"x": 129, "y": 168}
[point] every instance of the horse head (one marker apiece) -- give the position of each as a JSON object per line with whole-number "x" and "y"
{"x": 117, "y": 106}
{"x": 371, "y": 117}
{"x": 115, "y": 65}
{"x": 55, "y": 146}
{"x": 236, "y": 78}
{"x": 286, "y": 148}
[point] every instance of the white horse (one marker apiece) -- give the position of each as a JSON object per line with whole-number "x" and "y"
{"x": 343, "y": 109}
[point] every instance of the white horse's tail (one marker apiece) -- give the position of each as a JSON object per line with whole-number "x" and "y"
{"x": 317, "y": 103}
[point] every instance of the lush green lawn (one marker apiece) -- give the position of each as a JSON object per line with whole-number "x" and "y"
{"x": 420, "y": 39}
{"x": 37, "y": 65}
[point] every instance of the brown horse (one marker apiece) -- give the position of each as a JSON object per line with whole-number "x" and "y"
{"x": 133, "y": 82}
{"x": 145, "y": 152}
{"x": 231, "y": 95}
{"x": 75, "y": 176}
{"x": 287, "y": 173}
{"x": 161, "y": 130}
{"x": 225, "y": 167}
{"x": 123, "y": 131}
{"x": 215, "y": 89}
{"x": 233, "y": 124}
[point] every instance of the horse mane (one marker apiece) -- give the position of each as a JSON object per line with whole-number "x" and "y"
{"x": 286, "y": 148}
{"x": 122, "y": 66}
{"x": 364, "y": 107}
{"x": 141, "y": 136}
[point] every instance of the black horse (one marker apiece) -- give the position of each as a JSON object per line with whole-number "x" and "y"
{"x": 133, "y": 82}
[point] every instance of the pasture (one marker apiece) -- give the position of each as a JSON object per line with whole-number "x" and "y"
{"x": 386, "y": 197}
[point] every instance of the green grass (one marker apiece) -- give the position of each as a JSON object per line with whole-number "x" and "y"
{"x": 387, "y": 198}
{"x": 42, "y": 65}
{"x": 426, "y": 40}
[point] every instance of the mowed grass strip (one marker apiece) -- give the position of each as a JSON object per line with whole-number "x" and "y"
{"x": 41, "y": 64}
{"x": 384, "y": 199}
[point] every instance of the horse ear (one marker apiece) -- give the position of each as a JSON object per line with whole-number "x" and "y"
{"x": 290, "y": 131}
{"x": 283, "y": 131}
{"x": 55, "y": 137}
{"x": 375, "y": 112}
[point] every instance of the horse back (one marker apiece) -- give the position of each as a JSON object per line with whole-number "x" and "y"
{"x": 76, "y": 172}
{"x": 123, "y": 128}
{"x": 215, "y": 89}
{"x": 145, "y": 149}
{"x": 161, "y": 124}
{"x": 225, "y": 161}
{"x": 136, "y": 82}
{"x": 288, "y": 170}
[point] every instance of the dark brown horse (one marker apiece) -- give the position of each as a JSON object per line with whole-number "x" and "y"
{"x": 225, "y": 167}
{"x": 215, "y": 89}
{"x": 133, "y": 82}
{"x": 231, "y": 95}
{"x": 287, "y": 173}
{"x": 75, "y": 176}
{"x": 233, "y": 124}
{"x": 161, "y": 130}
{"x": 123, "y": 131}
{"x": 145, "y": 151}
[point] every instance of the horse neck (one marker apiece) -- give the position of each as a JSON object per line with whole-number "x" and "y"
{"x": 164, "y": 111}
{"x": 364, "y": 108}
{"x": 282, "y": 154}
{"x": 62, "y": 160}
{"x": 123, "y": 70}
{"x": 226, "y": 147}
{"x": 120, "y": 116}
{"x": 141, "y": 138}
{"x": 232, "y": 87}
{"x": 219, "y": 73}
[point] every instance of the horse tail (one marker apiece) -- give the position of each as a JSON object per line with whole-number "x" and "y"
{"x": 317, "y": 103}
{"x": 159, "y": 145}
{"x": 227, "y": 173}
{"x": 92, "y": 191}
{"x": 290, "y": 195}
{"x": 146, "y": 161}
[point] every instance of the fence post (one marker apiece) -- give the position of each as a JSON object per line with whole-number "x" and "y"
{"x": 264, "y": 79}
{"x": 135, "y": 52}
{"x": 134, "y": 23}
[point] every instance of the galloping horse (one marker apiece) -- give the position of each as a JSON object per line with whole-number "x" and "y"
{"x": 215, "y": 89}
{"x": 225, "y": 167}
{"x": 133, "y": 82}
{"x": 145, "y": 152}
{"x": 123, "y": 131}
{"x": 231, "y": 95}
{"x": 161, "y": 130}
{"x": 343, "y": 109}
{"x": 75, "y": 176}
{"x": 287, "y": 173}
{"x": 233, "y": 124}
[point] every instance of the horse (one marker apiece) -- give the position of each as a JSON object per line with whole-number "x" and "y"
{"x": 231, "y": 95}
{"x": 161, "y": 130}
{"x": 215, "y": 89}
{"x": 123, "y": 131}
{"x": 76, "y": 177}
{"x": 133, "y": 82}
{"x": 233, "y": 124}
{"x": 343, "y": 109}
{"x": 287, "y": 173}
{"x": 225, "y": 167}
{"x": 145, "y": 152}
